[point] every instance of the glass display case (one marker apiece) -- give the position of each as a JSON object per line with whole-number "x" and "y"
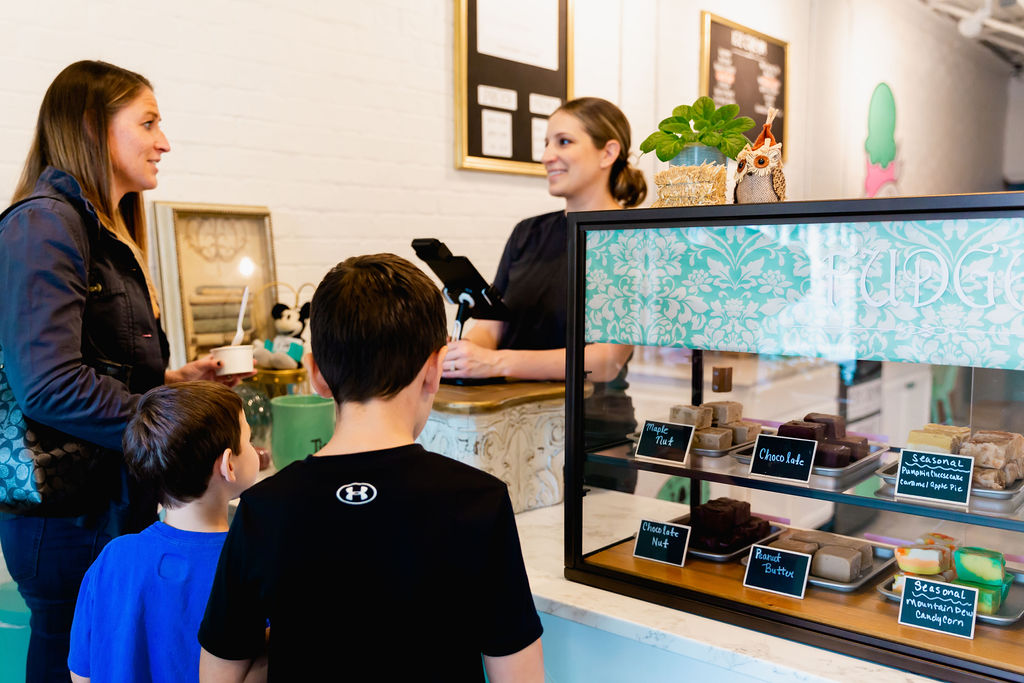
{"x": 899, "y": 321}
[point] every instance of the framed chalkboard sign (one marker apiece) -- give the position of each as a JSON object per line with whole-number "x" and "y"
{"x": 513, "y": 68}
{"x": 742, "y": 66}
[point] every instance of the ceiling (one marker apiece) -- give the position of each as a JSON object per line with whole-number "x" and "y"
{"x": 997, "y": 24}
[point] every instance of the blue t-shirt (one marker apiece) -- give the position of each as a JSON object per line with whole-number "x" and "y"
{"x": 140, "y": 605}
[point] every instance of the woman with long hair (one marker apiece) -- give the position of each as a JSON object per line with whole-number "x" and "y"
{"x": 80, "y": 336}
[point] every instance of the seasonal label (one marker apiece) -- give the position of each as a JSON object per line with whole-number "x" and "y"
{"x": 783, "y": 457}
{"x": 936, "y": 606}
{"x": 777, "y": 571}
{"x": 937, "y": 477}
{"x": 662, "y": 542}
{"x": 665, "y": 440}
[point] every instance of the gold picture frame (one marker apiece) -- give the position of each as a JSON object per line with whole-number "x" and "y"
{"x": 513, "y": 126}
{"x": 775, "y": 50}
{"x": 205, "y": 253}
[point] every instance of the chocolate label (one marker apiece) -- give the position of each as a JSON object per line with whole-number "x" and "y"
{"x": 938, "y": 477}
{"x": 783, "y": 457}
{"x": 777, "y": 571}
{"x": 665, "y": 440}
{"x": 937, "y": 606}
{"x": 662, "y": 542}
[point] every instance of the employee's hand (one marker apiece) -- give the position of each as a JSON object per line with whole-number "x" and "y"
{"x": 466, "y": 359}
{"x": 204, "y": 368}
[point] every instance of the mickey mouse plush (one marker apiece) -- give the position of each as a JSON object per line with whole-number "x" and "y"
{"x": 283, "y": 352}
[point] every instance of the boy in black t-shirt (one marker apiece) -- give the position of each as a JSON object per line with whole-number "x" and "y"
{"x": 374, "y": 559}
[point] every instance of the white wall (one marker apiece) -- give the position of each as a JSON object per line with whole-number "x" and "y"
{"x": 338, "y": 115}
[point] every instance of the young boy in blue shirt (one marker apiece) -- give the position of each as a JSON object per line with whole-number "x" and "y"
{"x": 374, "y": 559}
{"x": 141, "y": 601}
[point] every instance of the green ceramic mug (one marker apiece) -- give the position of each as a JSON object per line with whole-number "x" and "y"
{"x": 302, "y": 424}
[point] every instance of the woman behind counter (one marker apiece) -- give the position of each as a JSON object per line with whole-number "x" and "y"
{"x": 586, "y": 156}
{"x": 79, "y": 332}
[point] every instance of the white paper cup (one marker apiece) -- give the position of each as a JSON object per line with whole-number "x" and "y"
{"x": 234, "y": 359}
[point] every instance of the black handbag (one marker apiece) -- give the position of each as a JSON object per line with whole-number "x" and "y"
{"x": 41, "y": 468}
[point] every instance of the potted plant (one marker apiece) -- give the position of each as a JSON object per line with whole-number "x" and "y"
{"x": 700, "y": 123}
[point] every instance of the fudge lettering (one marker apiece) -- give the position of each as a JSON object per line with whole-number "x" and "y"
{"x": 662, "y": 542}
{"x": 664, "y": 440}
{"x": 777, "y": 571}
{"x": 933, "y": 476}
{"x": 783, "y": 457}
{"x": 937, "y": 606}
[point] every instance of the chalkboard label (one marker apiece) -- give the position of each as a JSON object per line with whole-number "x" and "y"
{"x": 777, "y": 571}
{"x": 665, "y": 440}
{"x": 662, "y": 542}
{"x": 783, "y": 457}
{"x": 937, "y": 606}
{"x": 938, "y": 477}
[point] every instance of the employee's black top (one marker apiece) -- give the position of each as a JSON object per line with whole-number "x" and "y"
{"x": 392, "y": 564}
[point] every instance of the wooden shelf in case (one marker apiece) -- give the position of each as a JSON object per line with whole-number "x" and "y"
{"x": 861, "y": 611}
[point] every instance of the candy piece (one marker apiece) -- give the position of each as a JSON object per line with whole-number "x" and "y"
{"x": 832, "y": 455}
{"x": 743, "y": 431}
{"x": 989, "y": 597}
{"x": 698, "y": 416}
{"x": 725, "y": 411}
{"x": 721, "y": 379}
{"x": 835, "y": 425}
{"x": 989, "y": 478}
{"x": 930, "y": 442}
{"x": 959, "y": 434}
{"x": 713, "y": 438}
{"x": 866, "y": 550}
{"x": 754, "y": 529}
{"x": 796, "y": 546}
{"x": 935, "y": 538}
{"x": 836, "y": 563}
{"x": 1008, "y": 580}
{"x": 718, "y": 517}
{"x": 980, "y": 565}
{"x": 859, "y": 447}
{"x": 900, "y": 578}
{"x": 923, "y": 559}
{"x": 803, "y": 430}
{"x": 993, "y": 449}
{"x": 741, "y": 508}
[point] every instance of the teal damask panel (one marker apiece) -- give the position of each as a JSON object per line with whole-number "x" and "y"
{"x": 947, "y": 292}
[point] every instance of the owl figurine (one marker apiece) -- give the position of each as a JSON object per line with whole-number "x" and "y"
{"x": 759, "y": 176}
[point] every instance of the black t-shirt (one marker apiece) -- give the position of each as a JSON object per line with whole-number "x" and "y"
{"x": 368, "y": 566}
{"x": 533, "y": 279}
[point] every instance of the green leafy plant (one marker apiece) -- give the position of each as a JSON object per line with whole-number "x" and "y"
{"x": 701, "y": 122}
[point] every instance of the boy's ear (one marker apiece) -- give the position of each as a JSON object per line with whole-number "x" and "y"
{"x": 435, "y": 366}
{"x": 225, "y": 467}
{"x": 316, "y": 380}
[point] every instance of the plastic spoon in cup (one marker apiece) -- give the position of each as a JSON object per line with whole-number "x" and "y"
{"x": 239, "y": 333}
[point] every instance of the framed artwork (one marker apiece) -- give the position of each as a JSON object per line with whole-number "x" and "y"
{"x": 739, "y": 65}
{"x": 513, "y": 68}
{"x": 206, "y": 255}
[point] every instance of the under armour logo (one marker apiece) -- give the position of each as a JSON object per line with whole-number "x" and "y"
{"x": 357, "y": 493}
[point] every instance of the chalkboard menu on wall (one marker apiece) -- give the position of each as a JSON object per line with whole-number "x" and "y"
{"x": 741, "y": 66}
{"x": 513, "y": 68}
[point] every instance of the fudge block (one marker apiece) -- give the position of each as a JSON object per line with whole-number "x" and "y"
{"x": 935, "y": 538}
{"x": 993, "y": 449}
{"x": 754, "y": 529}
{"x": 803, "y": 430}
{"x": 808, "y": 548}
{"x": 698, "y": 416}
{"x": 899, "y": 579}
{"x": 931, "y": 442}
{"x": 832, "y": 455}
{"x": 859, "y": 447}
{"x": 980, "y": 565}
{"x": 866, "y": 550}
{"x": 837, "y": 563}
{"x": 959, "y": 434}
{"x": 712, "y": 438}
{"x": 989, "y": 478}
{"x": 743, "y": 431}
{"x": 721, "y": 379}
{"x": 835, "y": 425}
{"x": 990, "y": 598}
{"x": 725, "y": 411}
{"x": 1007, "y": 582}
{"x": 923, "y": 559}
{"x": 717, "y": 517}
{"x": 741, "y": 508}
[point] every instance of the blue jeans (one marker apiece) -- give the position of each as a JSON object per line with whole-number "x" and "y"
{"x": 47, "y": 557}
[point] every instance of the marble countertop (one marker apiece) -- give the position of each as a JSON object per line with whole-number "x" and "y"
{"x": 742, "y": 651}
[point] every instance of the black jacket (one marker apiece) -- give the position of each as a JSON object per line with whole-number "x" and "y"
{"x": 79, "y": 337}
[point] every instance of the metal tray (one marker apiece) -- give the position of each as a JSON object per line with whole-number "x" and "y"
{"x": 833, "y": 478}
{"x": 1009, "y": 612}
{"x": 773, "y": 532}
{"x": 703, "y": 452}
{"x": 883, "y": 560}
{"x": 888, "y": 473}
